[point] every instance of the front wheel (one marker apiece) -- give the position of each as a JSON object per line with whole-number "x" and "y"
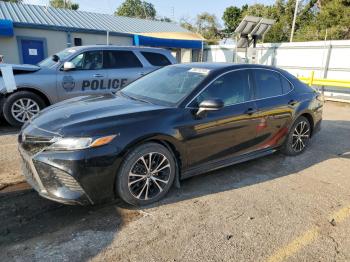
{"x": 298, "y": 137}
{"x": 146, "y": 174}
{"x": 21, "y": 106}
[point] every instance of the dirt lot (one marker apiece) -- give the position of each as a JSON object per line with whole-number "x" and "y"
{"x": 272, "y": 209}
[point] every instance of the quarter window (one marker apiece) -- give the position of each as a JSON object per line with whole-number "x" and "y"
{"x": 231, "y": 88}
{"x": 156, "y": 59}
{"x": 268, "y": 84}
{"x": 121, "y": 59}
{"x": 286, "y": 85}
{"x": 91, "y": 60}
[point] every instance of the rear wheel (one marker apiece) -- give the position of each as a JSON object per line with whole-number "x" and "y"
{"x": 146, "y": 174}
{"x": 298, "y": 138}
{"x": 21, "y": 106}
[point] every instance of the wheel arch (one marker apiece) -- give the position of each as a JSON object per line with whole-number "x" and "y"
{"x": 41, "y": 94}
{"x": 168, "y": 142}
{"x": 309, "y": 117}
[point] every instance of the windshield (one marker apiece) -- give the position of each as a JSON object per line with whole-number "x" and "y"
{"x": 166, "y": 86}
{"x": 48, "y": 62}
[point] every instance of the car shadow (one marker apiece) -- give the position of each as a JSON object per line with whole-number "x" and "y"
{"x": 6, "y": 129}
{"x": 329, "y": 143}
{"x": 35, "y": 227}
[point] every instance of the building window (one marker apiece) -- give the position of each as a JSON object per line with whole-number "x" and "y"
{"x": 78, "y": 41}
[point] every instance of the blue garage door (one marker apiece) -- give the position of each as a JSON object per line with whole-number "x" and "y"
{"x": 32, "y": 51}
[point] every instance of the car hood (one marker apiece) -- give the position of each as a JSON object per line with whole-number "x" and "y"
{"x": 16, "y": 70}
{"x": 22, "y": 68}
{"x": 89, "y": 116}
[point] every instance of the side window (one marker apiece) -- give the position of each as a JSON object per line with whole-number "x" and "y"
{"x": 121, "y": 59}
{"x": 286, "y": 85}
{"x": 91, "y": 60}
{"x": 231, "y": 88}
{"x": 268, "y": 83}
{"x": 156, "y": 59}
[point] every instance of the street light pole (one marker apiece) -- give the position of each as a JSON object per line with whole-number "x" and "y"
{"x": 294, "y": 19}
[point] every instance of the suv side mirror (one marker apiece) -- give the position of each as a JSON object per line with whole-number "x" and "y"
{"x": 210, "y": 105}
{"x": 68, "y": 66}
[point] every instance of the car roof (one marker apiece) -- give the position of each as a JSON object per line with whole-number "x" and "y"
{"x": 220, "y": 66}
{"x": 117, "y": 47}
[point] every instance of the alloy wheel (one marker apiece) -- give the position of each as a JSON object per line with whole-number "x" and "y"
{"x": 301, "y": 135}
{"x": 149, "y": 176}
{"x": 24, "y": 108}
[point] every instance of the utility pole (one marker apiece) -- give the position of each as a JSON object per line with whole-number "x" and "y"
{"x": 173, "y": 13}
{"x": 294, "y": 19}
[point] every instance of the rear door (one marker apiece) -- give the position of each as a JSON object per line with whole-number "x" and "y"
{"x": 275, "y": 107}
{"x": 88, "y": 77}
{"x": 122, "y": 67}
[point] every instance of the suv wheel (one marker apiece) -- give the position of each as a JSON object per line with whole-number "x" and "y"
{"x": 21, "y": 106}
{"x": 146, "y": 174}
{"x": 298, "y": 137}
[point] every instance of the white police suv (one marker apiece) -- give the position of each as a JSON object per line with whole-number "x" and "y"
{"x": 76, "y": 71}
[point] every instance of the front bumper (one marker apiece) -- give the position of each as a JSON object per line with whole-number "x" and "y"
{"x": 73, "y": 177}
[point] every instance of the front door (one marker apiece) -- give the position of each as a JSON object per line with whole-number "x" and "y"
{"x": 227, "y": 132}
{"x": 32, "y": 51}
{"x": 89, "y": 77}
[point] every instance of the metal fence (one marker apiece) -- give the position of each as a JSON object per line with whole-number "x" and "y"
{"x": 328, "y": 60}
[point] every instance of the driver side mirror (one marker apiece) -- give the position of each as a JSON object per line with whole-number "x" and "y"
{"x": 209, "y": 105}
{"x": 68, "y": 66}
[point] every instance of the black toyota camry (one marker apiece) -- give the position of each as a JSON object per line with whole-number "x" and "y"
{"x": 177, "y": 122}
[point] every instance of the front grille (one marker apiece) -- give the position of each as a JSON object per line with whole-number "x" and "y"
{"x": 28, "y": 174}
{"x": 54, "y": 178}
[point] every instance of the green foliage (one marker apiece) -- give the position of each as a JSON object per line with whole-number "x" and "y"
{"x": 13, "y": 1}
{"x": 205, "y": 24}
{"x": 137, "y": 8}
{"x": 232, "y": 17}
{"x": 64, "y": 4}
{"x": 316, "y": 19}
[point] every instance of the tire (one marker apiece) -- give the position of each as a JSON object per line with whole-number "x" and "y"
{"x": 31, "y": 104}
{"x": 133, "y": 175}
{"x": 301, "y": 129}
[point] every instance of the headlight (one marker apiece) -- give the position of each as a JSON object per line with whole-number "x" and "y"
{"x": 77, "y": 143}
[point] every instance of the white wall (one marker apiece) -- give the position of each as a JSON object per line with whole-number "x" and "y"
{"x": 299, "y": 58}
{"x": 56, "y": 41}
{"x": 99, "y": 39}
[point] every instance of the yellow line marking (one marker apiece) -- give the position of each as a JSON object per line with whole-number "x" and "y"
{"x": 341, "y": 214}
{"x": 294, "y": 246}
{"x": 308, "y": 237}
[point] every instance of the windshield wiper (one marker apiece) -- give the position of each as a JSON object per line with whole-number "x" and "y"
{"x": 134, "y": 98}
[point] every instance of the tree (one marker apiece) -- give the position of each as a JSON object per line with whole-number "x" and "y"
{"x": 137, "y": 8}
{"x": 232, "y": 17}
{"x": 67, "y": 4}
{"x": 207, "y": 25}
{"x": 186, "y": 23}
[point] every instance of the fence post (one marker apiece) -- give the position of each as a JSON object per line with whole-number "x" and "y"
{"x": 311, "y": 79}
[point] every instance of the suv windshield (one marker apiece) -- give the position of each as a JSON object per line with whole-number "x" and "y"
{"x": 48, "y": 62}
{"x": 166, "y": 86}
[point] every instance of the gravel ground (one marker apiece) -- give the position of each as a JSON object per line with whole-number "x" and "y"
{"x": 272, "y": 209}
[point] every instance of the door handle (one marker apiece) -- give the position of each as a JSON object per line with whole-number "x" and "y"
{"x": 143, "y": 73}
{"x": 292, "y": 102}
{"x": 250, "y": 111}
{"x": 98, "y": 75}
